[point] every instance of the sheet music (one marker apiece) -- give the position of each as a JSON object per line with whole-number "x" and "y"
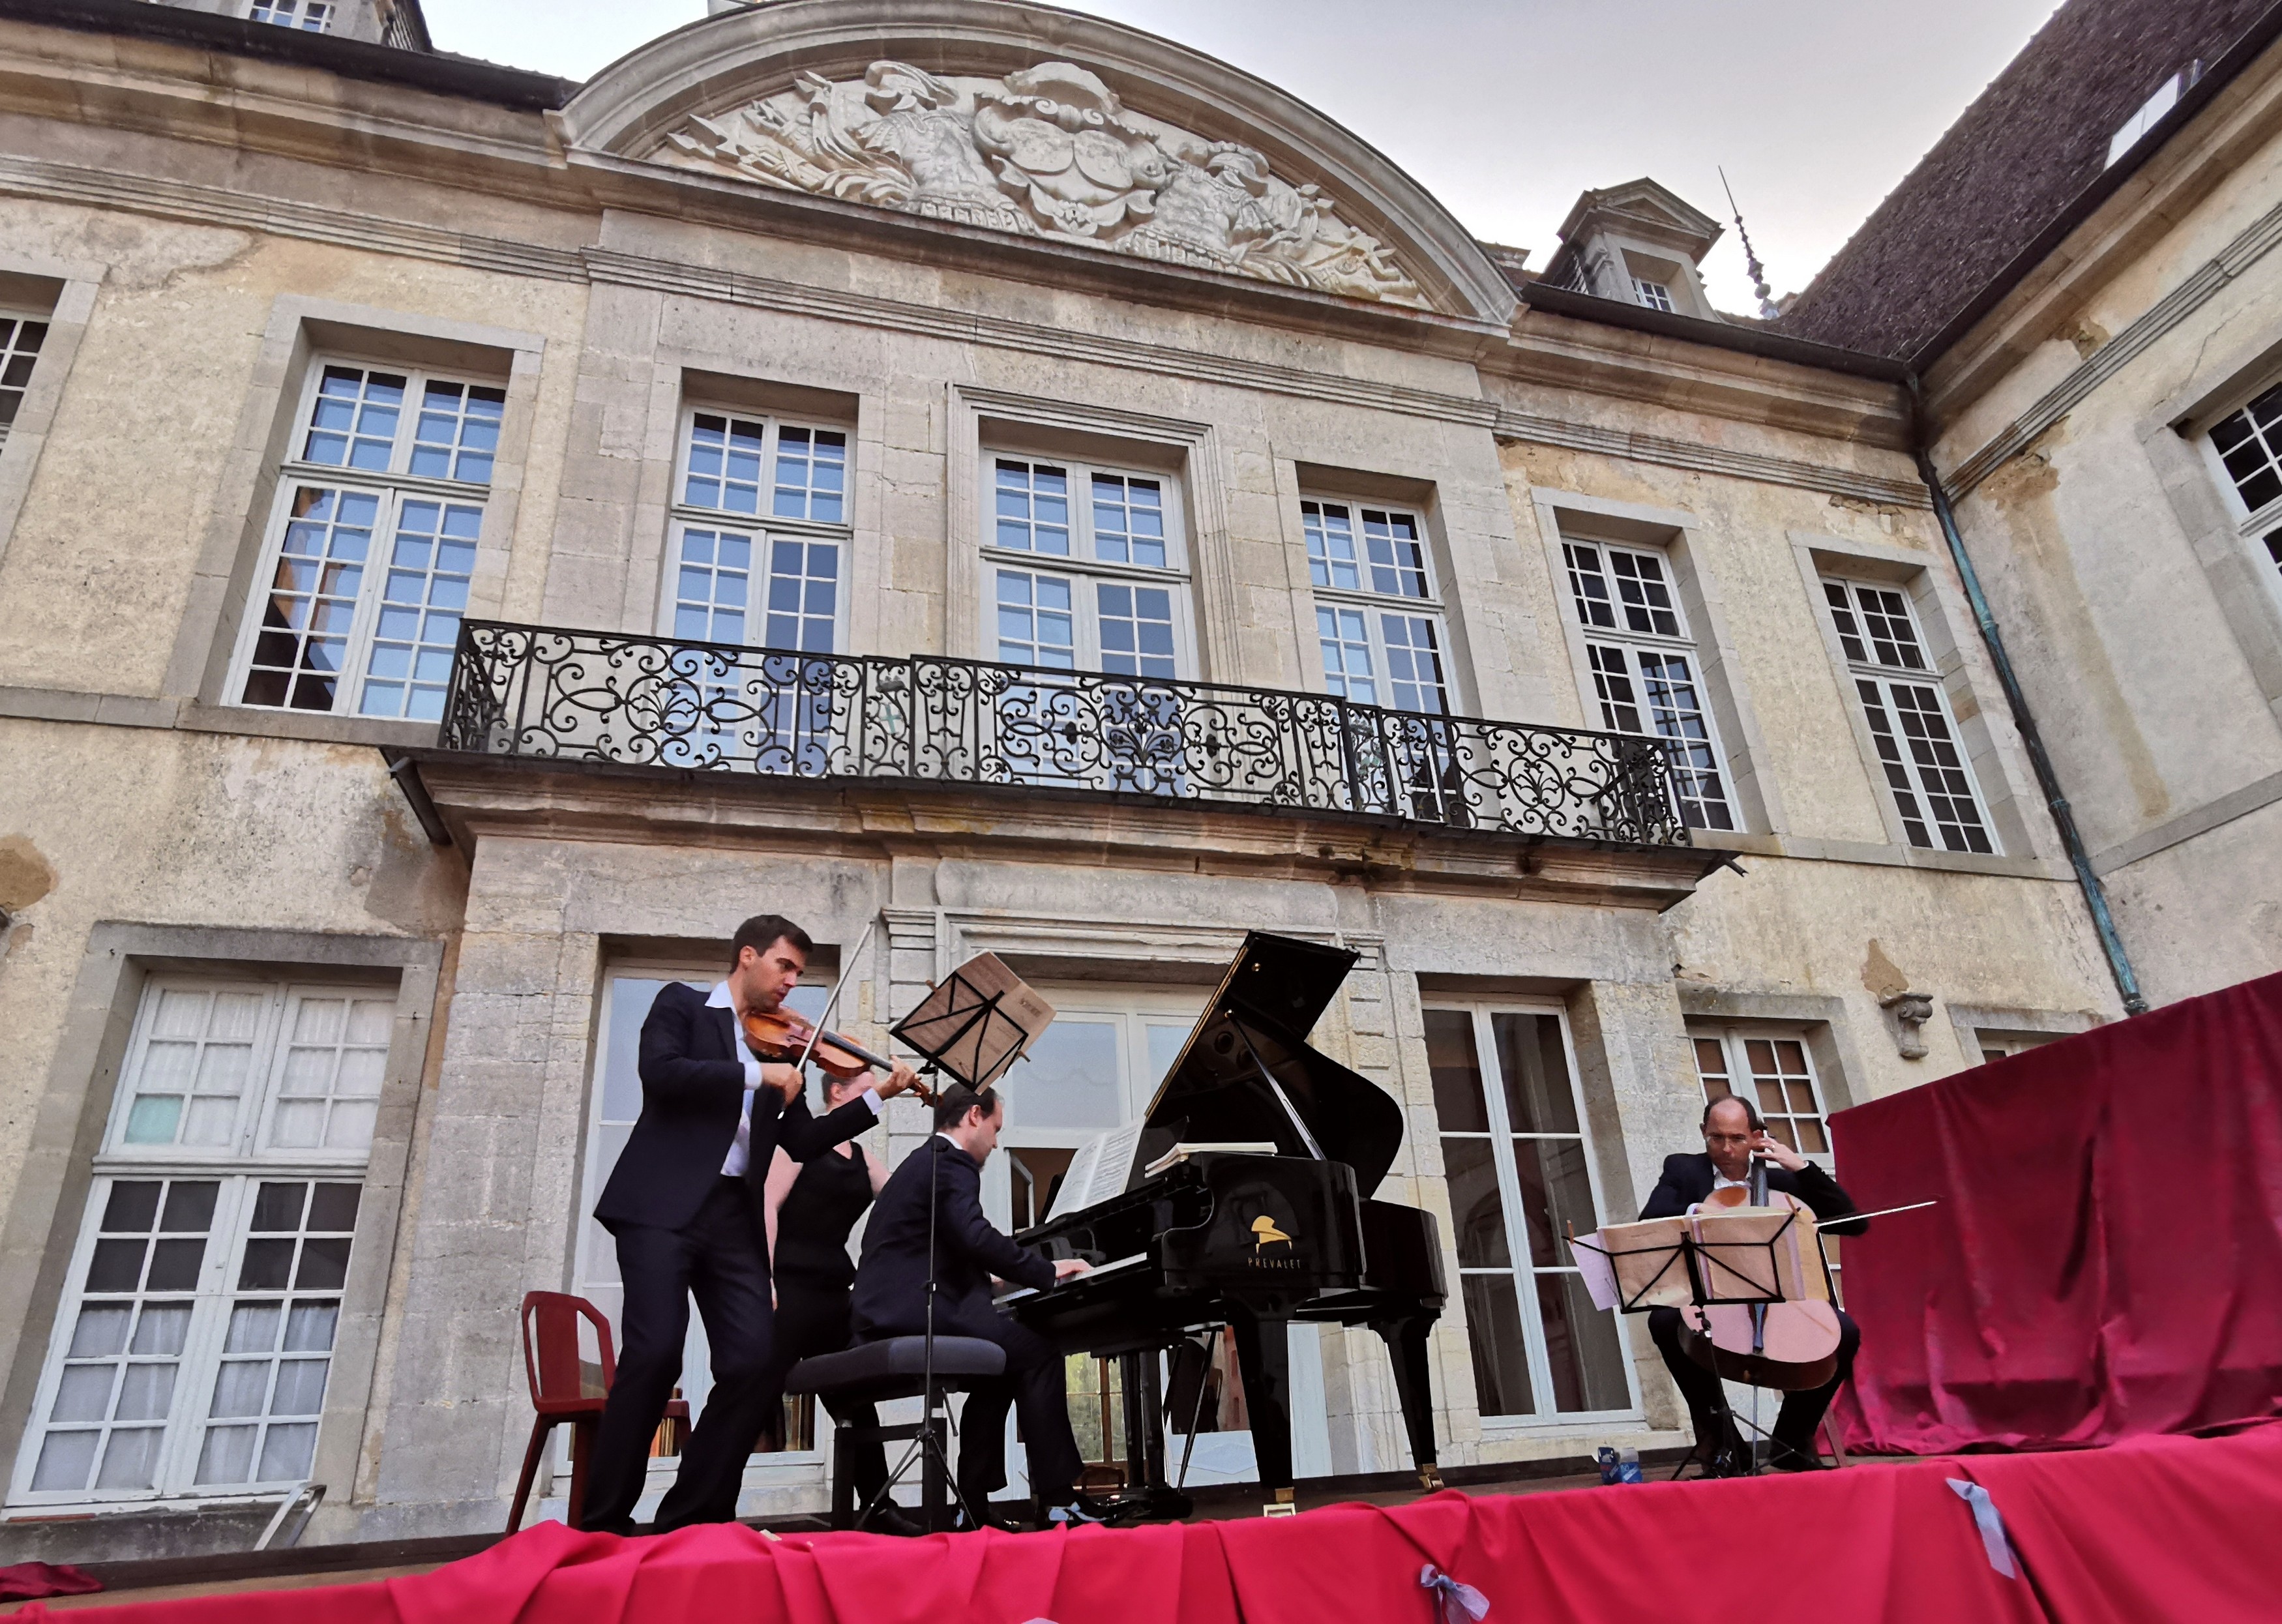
{"x": 1099, "y": 1169}
{"x": 1598, "y": 1273}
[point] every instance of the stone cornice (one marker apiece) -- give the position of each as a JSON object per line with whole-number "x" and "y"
{"x": 1704, "y": 457}
{"x": 476, "y": 796}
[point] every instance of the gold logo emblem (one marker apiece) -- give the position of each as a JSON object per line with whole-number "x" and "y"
{"x": 1264, "y": 1231}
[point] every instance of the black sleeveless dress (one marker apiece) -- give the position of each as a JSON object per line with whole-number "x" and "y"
{"x": 819, "y": 1214}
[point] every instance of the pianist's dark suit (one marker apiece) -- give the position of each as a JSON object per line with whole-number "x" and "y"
{"x": 1687, "y": 1180}
{"x": 683, "y": 1227}
{"x": 890, "y": 1300}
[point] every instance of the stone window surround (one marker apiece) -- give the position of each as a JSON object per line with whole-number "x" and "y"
{"x": 301, "y": 331}
{"x": 1756, "y": 799}
{"x": 2002, "y": 785}
{"x": 42, "y": 1218}
{"x": 1972, "y": 1020}
{"x": 66, "y": 289}
{"x": 982, "y": 421}
{"x": 1301, "y": 481}
{"x": 1821, "y": 1017}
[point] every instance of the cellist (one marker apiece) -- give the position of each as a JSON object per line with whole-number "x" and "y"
{"x": 1733, "y": 1136}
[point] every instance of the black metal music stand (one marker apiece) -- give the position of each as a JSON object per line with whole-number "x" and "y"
{"x": 971, "y": 1040}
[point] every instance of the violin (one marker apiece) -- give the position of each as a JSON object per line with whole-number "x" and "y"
{"x": 784, "y": 1038}
{"x": 1786, "y": 1347}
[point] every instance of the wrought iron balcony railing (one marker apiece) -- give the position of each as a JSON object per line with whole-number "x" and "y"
{"x": 536, "y": 691}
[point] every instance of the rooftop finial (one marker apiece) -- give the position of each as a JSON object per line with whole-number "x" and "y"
{"x": 1767, "y": 311}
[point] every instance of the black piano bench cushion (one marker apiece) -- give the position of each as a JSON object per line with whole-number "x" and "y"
{"x": 894, "y": 1366}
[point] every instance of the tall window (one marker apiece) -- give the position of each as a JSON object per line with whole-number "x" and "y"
{"x": 1910, "y": 722}
{"x": 1643, "y": 666}
{"x": 1378, "y": 620}
{"x": 313, "y": 15}
{"x": 1087, "y": 569}
{"x": 194, "y": 1342}
{"x": 2249, "y": 445}
{"x": 760, "y": 533}
{"x": 1519, "y": 1166}
{"x": 1770, "y": 1068}
{"x": 372, "y": 545}
{"x": 20, "y": 337}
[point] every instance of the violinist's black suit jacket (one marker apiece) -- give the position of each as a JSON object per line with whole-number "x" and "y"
{"x": 693, "y": 1078}
{"x": 683, "y": 1228}
{"x": 1687, "y": 1179}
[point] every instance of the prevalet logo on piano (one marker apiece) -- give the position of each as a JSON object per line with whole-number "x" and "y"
{"x": 1271, "y": 1247}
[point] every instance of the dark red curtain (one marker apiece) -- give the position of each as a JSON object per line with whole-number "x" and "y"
{"x": 2159, "y": 1529}
{"x": 2106, "y": 1258}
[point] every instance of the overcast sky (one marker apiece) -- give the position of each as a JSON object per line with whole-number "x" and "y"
{"x": 1507, "y": 109}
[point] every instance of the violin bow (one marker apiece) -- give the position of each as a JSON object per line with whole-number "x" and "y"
{"x": 847, "y": 967}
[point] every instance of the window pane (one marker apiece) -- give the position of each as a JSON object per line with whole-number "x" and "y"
{"x": 1128, "y": 520}
{"x": 712, "y": 584}
{"x": 803, "y": 595}
{"x": 1347, "y": 672}
{"x": 1079, "y": 1078}
{"x": 1581, "y": 1346}
{"x": 724, "y": 463}
{"x": 301, "y": 652}
{"x": 1137, "y": 629}
{"x": 1588, "y": 585}
{"x": 1398, "y": 561}
{"x": 1036, "y": 624}
{"x": 1032, "y": 503}
{"x": 1612, "y": 686}
{"x": 457, "y": 432}
{"x": 432, "y": 559}
{"x": 1458, "y": 1103}
{"x": 1556, "y": 1196}
{"x": 1644, "y": 595}
{"x": 1842, "y": 615}
{"x": 1493, "y": 1334}
{"x": 1540, "y": 1097}
{"x": 1886, "y": 621}
{"x": 19, "y": 348}
{"x": 1873, "y": 696}
{"x": 352, "y": 420}
{"x": 811, "y": 475}
{"x": 1329, "y": 531}
{"x": 1413, "y": 664}
{"x": 1940, "y": 767}
{"x": 65, "y": 1459}
{"x": 1677, "y": 712}
{"x": 1477, "y": 1211}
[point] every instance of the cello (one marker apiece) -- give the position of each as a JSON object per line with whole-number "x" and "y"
{"x": 1786, "y": 1346}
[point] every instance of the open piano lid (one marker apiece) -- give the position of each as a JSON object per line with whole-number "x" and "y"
{"x": 1256, "y": 1029}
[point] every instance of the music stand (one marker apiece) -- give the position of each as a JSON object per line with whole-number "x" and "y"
{"x": 1667, "y": 1263}
{"x": 970, "y": 1027}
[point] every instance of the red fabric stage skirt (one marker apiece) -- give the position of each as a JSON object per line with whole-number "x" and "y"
{"x": 2105, "y": 1259}
{"x": 2160, "y": 1528}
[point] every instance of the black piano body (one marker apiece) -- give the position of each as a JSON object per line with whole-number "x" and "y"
{"x": 1249, "y": 1241}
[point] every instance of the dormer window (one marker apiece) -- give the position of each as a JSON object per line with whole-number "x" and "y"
{"x": 1655, "y": 295}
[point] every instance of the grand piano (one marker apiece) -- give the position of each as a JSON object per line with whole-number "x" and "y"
{"x": 1248, "y": 1241}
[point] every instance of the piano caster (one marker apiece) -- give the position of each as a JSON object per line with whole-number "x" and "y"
{"x": 1284, "y": 1505}
{"x": 1430, "y": 1479}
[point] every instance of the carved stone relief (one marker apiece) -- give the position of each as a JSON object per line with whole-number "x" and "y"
{"x": 1048, "y": 152}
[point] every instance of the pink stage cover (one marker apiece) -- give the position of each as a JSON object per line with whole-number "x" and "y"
{"x": 2163, "y": 1527}
{"x": 2105, "y": 1260}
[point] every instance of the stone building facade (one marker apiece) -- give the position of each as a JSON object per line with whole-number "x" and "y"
{"x": 973, "y": 477}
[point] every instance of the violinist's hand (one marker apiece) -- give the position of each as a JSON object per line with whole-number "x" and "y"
{"x": 1775, "y": 1151}
{"x": 1065, "y": 1267}
{"x": 901, "y": 1080}
{"x": 785, "y": 1079}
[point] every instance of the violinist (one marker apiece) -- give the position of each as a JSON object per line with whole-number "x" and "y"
{"x": 684, "y": 1205}
{"x": 1734, "y": 1135}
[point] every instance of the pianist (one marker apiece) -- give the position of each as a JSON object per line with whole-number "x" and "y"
{"x": 891, "y": 1294}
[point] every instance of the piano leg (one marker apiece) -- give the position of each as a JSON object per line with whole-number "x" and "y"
{"x": 1406, "y": 1344}
{"x": 1139, "y": 1409}
{"x": 1263, "y": 1356}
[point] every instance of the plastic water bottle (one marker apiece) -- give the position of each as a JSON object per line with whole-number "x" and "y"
{"x": 1620, "y": 1465}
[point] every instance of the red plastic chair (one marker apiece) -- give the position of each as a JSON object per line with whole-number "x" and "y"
{"x": 564, "y": 1388}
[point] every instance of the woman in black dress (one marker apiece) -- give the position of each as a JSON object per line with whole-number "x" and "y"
{"x": 812, "y": 1207}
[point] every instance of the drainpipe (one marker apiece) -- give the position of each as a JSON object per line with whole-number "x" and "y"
{"x": 2095, "y": 894}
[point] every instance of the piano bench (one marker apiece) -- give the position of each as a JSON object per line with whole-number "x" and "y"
{"x": 895, "y": 1367}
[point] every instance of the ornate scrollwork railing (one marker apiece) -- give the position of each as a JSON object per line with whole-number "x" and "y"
{"x": 537, "y": 691}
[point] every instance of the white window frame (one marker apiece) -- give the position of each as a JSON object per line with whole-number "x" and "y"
{"x": 389, "y": 490}
{"x": 1731, "y": 1038}
{"x": 17, "y": 362}
{"x": 1373, "y": 606}
{"x": 763, "y": 529}
{"x": 1926, "y": 676}
{"x": 2259, "y": 528}
{"x": 1655, "y": 295}
{"x": 307, "y": 16}
{"x": 240, "y": 1169}
{"x": 1699, "y": 806}
{"x": 1081, "y": 567}
{"x": 1523, "y": 1265}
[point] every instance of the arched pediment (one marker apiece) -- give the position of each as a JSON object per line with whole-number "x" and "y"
{"x": 1042, "y": 124}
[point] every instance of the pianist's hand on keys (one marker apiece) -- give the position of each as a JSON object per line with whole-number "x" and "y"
{"x": 1065, "y": 1267}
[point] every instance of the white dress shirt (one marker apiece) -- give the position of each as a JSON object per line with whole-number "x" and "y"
{"x": 740, "y": 1148}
